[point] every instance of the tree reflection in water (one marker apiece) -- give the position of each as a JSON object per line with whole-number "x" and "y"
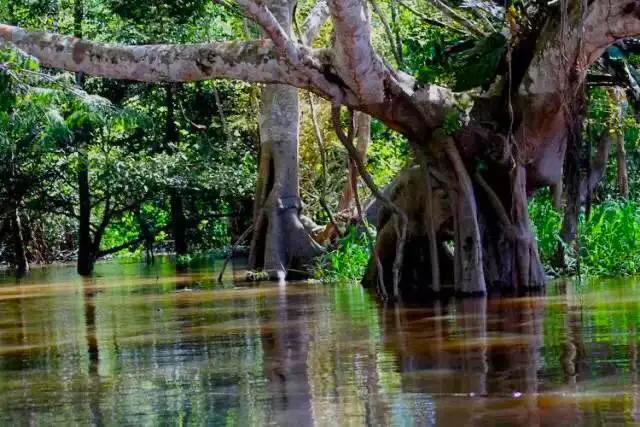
{"x": 145, "y": 347}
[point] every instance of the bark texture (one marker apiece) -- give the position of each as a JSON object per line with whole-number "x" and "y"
{"x": 280, "y": 241}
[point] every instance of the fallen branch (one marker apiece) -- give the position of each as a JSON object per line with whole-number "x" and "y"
{"x": 242, "y": 237}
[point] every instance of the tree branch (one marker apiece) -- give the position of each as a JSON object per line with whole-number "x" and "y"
{"x": 356, "y": 60}
{"x": 431, "y": 21}
{"x": 298, "y": 56}
{"x": 395, "y": 48}
{"x": 252, "y": 61}
{"x": 459, "y": 18}
{"x": 314, "y": 22}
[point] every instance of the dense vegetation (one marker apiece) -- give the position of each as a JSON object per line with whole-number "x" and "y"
{"x": 92, "y": 167}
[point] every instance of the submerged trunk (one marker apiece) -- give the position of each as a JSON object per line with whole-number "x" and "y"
{"x": 469, "y": 232}
{"x": 280, "y": 241}
{"x": 178, "y": 224}
{"x": 86, "y": 255}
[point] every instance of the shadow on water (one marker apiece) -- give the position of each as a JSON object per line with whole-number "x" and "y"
{"x": 139, "y": 345}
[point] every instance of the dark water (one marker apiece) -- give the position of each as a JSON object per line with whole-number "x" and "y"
{"x": 143, "y": 346}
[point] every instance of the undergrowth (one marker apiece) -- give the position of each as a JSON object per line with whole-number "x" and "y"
{"x": 348, "y": 261}
{"x": 609, "y": 241}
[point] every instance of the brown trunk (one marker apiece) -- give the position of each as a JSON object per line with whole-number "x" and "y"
{"x": 178, "y": 223}
{"x": 86, "y": 255}
{"x": 363, "y": 138}
{"x": 569, "y": 229}
{"x": 176, "y": 201}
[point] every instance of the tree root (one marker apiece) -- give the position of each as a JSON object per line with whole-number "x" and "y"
{"x": 469, "y": 271}
{"x": 401, "y": 219}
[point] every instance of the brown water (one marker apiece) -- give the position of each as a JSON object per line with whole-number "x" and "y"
{"x": 144, "y": 346}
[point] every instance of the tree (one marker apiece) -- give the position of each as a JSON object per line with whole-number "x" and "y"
{"x": 513, "y": 141}
{"x": 280, "y": 239}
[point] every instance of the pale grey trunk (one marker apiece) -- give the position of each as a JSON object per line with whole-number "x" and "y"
{"x": 280, "y": 240}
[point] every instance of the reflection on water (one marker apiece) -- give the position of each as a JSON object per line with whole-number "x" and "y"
{"x": 140, "y": 346}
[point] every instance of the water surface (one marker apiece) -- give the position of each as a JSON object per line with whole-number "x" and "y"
{"x": 149, "y": 346}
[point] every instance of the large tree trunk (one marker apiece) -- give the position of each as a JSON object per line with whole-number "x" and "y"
{"x": 486, "y": 224}
{"x": 279, "y": 241}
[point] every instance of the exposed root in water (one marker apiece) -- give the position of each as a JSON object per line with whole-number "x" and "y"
{"x": 401, "y": 217}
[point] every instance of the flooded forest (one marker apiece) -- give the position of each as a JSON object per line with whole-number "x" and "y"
{"x": 319, "y": 212}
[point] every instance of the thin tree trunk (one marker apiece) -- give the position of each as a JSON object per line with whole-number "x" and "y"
{"x": 86, "y": 257}
{"x": 363, "y": 138}
{"x": 569, "y": 229}
{"x": 623, "y": 176}
{"x": 178, "y": 220}
{"x": 19, "y": 247}
{"x": 178, "y": 223}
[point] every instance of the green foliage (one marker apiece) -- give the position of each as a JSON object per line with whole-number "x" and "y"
{"x": 546, "y": 223}
{"x": 609, "y": 240}
{"x": 452, "y": 122}
{"x": 476, "y": 64}
{"x": 348, "y": 262}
